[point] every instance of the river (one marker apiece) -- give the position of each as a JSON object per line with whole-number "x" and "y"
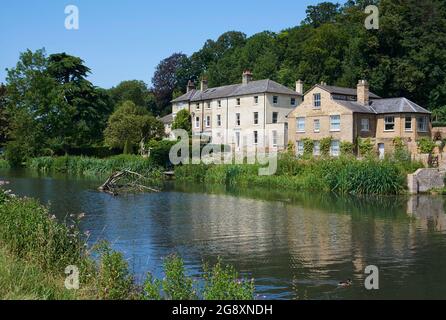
{"x": 295, "y": 245}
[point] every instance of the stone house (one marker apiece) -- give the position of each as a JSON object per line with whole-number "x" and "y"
{"x": 346, "y": 114}
{"x": 249, "y": 114}
{"x": 168, "y": 121}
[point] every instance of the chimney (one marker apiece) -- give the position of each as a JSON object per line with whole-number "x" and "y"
{"x": 204, "y": 84}
{"x": 300, "y": 86}
{"x": 323, "y": 83}
{"x": 190, "y": 86}
{"x": 363, "y": 92}
{"x": 247, "y": 77}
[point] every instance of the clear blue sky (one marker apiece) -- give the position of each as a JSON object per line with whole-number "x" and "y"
{"x": 125, "y": 40}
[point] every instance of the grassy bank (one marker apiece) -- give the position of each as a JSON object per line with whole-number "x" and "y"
{"x": 342, "y": 175}
{"x": 93, "y": 166}
{"x": 35, "y": 249}
{"x": 4, "y": 164}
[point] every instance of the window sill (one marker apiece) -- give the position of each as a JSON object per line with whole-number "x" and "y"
{"x": 300, "y": 131}
{"x": 336, "y": 130}
{"x": 408, "y": 130}
{"x": 319, "y": 131}
{"x": 389, "y": 130}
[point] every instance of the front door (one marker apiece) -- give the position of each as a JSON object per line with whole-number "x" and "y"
{"x": 381, "y": 150}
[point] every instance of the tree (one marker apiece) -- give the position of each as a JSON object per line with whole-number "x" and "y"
{"x": 54, "y": 93}
{"x": 322, "y": 13}
{"x": 165, "y": 80}
{"x": 183, "y": 121}
{"x": 130, "y": 125}
{"x": 135, "y": 91}
{"x": 4, "y": 122}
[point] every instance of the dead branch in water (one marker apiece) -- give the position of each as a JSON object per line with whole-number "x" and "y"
{"x": 125, "y": 181}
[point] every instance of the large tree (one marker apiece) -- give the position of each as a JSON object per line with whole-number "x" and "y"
{"x": 135, "y": 91}
{"x": 131, "y": 125}
{"x": 4, "y": 122}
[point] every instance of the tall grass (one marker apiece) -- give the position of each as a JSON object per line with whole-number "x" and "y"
{"x": 345, "y": 175}
{"x": 4, "y": 164}
{"x": 92, "y": 166}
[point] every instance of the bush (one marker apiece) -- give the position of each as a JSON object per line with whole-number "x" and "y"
{"x": 159, "y": 152}
{"x": 308, "y": 147}
{"x": 224, "y": 283}
{"x": 325, "y": 145}
{"x": 365, "y": 147}
{"x": 4, "y": 164}
{"x": 347, "y": 148}
{"x": 114, "y": 281}
{"x": 426, "y": 145}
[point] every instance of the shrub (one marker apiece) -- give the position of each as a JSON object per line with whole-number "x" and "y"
{"x": 308, "y": 147}
{"x": 4, "y": 164}
{"x": 347, "y": 148}
{"x": 325, "y": 145}
{"x": 365, "y": 147}
{"x": 426, "y": 145}
{"x": 114, "y": 281}
{"x": 224, "y": 283}
{"x": 159, "y": 152}
{"x": 176, "y": 285}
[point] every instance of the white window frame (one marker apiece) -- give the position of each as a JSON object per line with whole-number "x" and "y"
{"x": 316, "y": 148}
{"x": 238, "y": 119}
{"x": 335, "y": 126}
{"x": 300, "y": 128}
{"x": 365, "y": 124}
{"x": 317, "y": 100}
{"x": 275, "y": 99}
{"x": 256, "y": 118}
{"x": 335, "y": 148}
{"x": 256, "y": 99}
{"x": 318, "y": 127}
{"x": 387, "y": 122}
{"x": 238, "y": 102}
{"x": 406, "y": 122}
{"x": 277, "y": 117}
{"x": 299, "y": 148}
{"x": 197, "y": 106}
{"x": 218, "y": 120}
{"x": 219, "y": 103}
{"x": 197, "y": 122}
{"x": 255, "y": 137}
{"x": 424, "y": 124}
{"x": 293, "y": 102}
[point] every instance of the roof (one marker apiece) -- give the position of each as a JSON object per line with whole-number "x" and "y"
{"x": 342, "y": 91}
{"x": 167, "y": 119}
{"x": 383, "y": 106}
{"x": 252, "y": 87}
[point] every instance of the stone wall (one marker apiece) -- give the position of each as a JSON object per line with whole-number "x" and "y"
{"x": 424, "y": 180}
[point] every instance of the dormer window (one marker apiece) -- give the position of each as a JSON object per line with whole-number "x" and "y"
{"x": 317, "y": 100}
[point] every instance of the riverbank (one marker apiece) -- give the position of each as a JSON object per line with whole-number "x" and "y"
{"x": 344, "y": 175}
{"x": 35, "y": 251}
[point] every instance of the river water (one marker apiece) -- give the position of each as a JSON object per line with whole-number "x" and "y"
{"x": 295, "y": 245}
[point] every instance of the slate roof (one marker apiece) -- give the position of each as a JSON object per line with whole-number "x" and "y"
{"x": 383, "y": 106}
{"x": 252, "y": 87}
{"x": 342, "y": 91}
{"x": 167, "y": 119}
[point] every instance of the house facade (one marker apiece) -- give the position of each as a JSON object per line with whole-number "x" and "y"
{"x": 346, "y": 114}
{"x": 250, "y": 114}
{"x": 168, "y": 121}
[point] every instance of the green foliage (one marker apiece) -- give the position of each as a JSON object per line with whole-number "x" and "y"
{"x": 365, "y": 147}
{"x": 129, "y": 125}
{"x": 4, "y": 164}
{"x": 135, "y": 91}
{"x": 325, "y": 145}
{"x": 176, "y": 285}
{"x": 308, "y": 147}
{"x": 114, "y": 281}
{"x": 183, "y": 121}
{"x": 159, "y": 152}
{"x": 94, "y": 166}
{"x": 347, "y": 148}
{"x": 426, "y": 145}
{"x": 224, "y": 283}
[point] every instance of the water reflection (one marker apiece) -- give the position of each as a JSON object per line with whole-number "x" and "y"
{"x": 296, "y": 245}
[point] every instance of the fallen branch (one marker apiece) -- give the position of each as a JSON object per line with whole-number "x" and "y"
{"x": 125, "y": 181}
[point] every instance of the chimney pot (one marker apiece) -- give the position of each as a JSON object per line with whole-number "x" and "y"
{"x": 204, "y": 84}
{"x": 247, "y": 77}
{"x": 190, "y": 86}
{"x": 300, "y": 86}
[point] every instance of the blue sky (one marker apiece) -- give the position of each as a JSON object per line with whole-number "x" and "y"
{"x": 125, "y": 40}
